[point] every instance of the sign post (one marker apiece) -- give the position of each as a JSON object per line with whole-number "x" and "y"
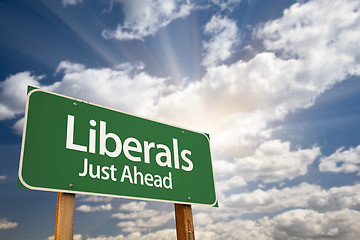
{"x": 64, "y": 223}
{"x": 184, "y": 222}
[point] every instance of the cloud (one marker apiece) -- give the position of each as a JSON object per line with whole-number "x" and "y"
{"x": 139, "y": 218}
{"x": 126, "y": 87}
{"x": 203, "y": 219}
{"x": 238, "y": 102}
{"x": 2, "y": 178}
{"x": 322, "y": 35}
{"x": 136, "y": 214}
{"x": 5, "y": 224}
{"x": 294, "y": 225}
{"x": 247, "y": 229}
{"x": 273, "y": 161}
{"x": 71, "y": 2}
{"x": 164, "y": 234}
{"x": 144, "y": 18}
{"x": 234, "y": 182}
{"x": 247, "y": 94}
{"x": 309, "y": 224}
{"x": 18, "y": 126}
{"x": 273, "y": 199}
{"x": 304, "y": 195}
{"x": 235, "y": 205}
{"x": 88, "y": 208}
{"x": 91, "y": 198}
{"x": 224, "y": 35}
{"x": 133, "y": 206}
{"x": 335, "y": 198}
{"x": 145, "y": 224}
{"x": 342, "y": 161}
{"x": 69, "y": 67}
{"x": 13, "y": 93}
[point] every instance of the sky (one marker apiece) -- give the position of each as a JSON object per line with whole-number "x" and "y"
{"x": 274, "y": 83}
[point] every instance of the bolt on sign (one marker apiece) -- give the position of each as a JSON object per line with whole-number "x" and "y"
{"x": 74, "y": 146}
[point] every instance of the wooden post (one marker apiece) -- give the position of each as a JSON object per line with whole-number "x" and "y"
{"x": 64, "y": 223}
{"x": 184, "y": 222}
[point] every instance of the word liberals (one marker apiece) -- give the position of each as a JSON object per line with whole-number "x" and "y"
{"x": 131, "y": 147}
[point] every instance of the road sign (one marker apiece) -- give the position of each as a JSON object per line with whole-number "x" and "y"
{"x": 77, "y": 147}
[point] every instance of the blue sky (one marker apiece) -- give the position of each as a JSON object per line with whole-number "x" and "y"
{"x": 274, "y": 83}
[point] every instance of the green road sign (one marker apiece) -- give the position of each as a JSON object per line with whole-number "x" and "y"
{"x": 78, "y": 147}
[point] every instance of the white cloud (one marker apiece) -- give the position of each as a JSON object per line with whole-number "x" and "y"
{"x": 335, "y": 198}
{"x": 309, "y": 224}
{"x": 246, "y": 229}
{"x": 144, "y": 18}
{"x": 222, "y": 168}
{"x": 77, "y": 237}
{"x": 239, "y": 101}
{"x": 232, "y": 102}
{"x": 304, "y": 195}
{"x": 133, "y": 206}
{"x": 202, "y": 219}
{"x": 69, "y": 67}
{"x": 19, "y": 126}
{"x": 234, "y": 182}
{"x": 2, "y": 178}
{"x": 291, "y": 225}
{"x": 91, "y": 198}
{"x": 273, "y": 161}
{"x": 342, "y": 161}
{"x": 5, "y": 224}
{"x": 126, "y": 88}
{"x": 13, "y": 93}
{"x": 145, "y": 224}
{"x": 139, "y": 218}
{"x": 147, "y": 213}
{"x": 323, "y": 36}
{"x": 224, "y": 35}
{"x": 71, "y": 2}
{"x": 273, "y": 199}
{"x": 88, "y": 208}
{"x": 164, "y": 234}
